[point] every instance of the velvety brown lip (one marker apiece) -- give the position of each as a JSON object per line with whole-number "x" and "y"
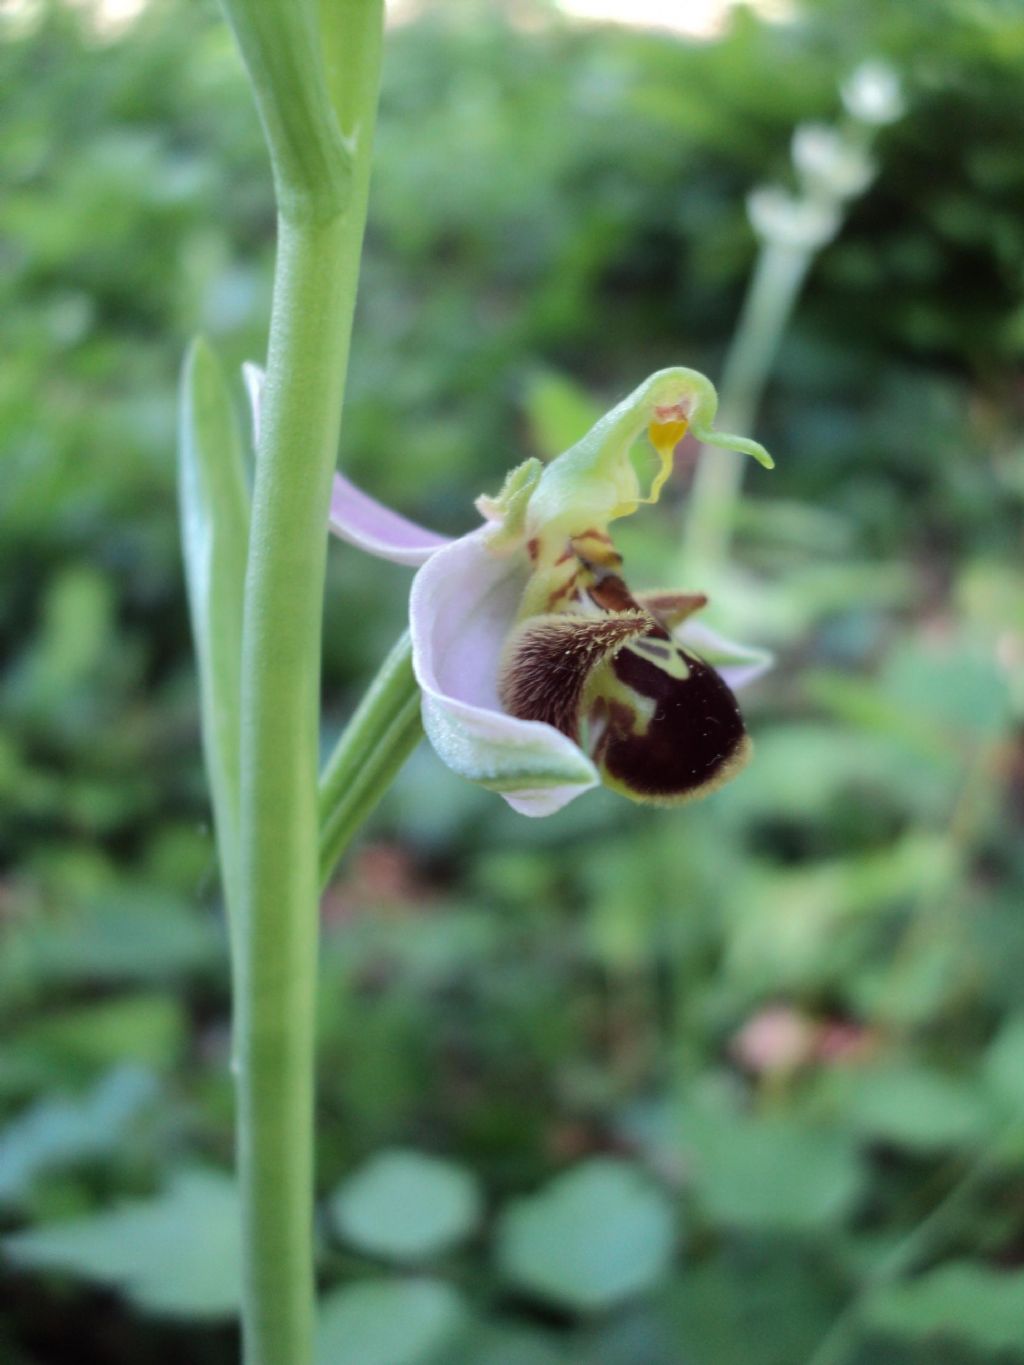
{"x": 694, "y": 739}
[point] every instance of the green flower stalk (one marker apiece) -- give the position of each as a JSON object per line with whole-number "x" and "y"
{"x": 314, "y": 70}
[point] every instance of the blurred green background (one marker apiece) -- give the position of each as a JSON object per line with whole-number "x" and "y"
{"x": 742, "y": 1082}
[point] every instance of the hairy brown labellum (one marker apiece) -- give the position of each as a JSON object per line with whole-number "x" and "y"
{"x": 661, "y": 725}
{"x": 601, "y": 666}
{"x": 549, "y": 659}
{"x": 662, "y": 733}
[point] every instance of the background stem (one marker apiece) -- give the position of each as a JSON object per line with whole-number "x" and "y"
{"x": 314, "y": 296}
{"x": 842, "y": 1335}
{"x": 710, "y": 510}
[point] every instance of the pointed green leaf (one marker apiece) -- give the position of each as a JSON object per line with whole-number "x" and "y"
{"x": 960, "y": 1301}
{"x": 214, "y": 503}
{"x": 179, "y": 1253}
{"x": 380, "y": 736}
{"x": 61, "y": 1130}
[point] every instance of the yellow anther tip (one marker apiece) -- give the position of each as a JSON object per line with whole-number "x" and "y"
{"x": 665, "y": 436}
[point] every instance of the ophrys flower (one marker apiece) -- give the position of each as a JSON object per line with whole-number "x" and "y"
{"x": 542, "y": 673}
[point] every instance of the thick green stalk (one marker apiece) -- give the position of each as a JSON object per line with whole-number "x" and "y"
{"x": 382, "y": 733}
{"x": 774, "y": 288}
{"x": 276, "y": 979}
{"x": 314, "y": 297}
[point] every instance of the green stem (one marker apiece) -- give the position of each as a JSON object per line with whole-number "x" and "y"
{"x": 314, "y": 298}
{"x": 382, "y": 733}
{"x": 710, "y": 510}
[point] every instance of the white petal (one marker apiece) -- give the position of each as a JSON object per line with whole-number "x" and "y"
{"x": 462, "y": 608}
{"x": 738, "y": 664}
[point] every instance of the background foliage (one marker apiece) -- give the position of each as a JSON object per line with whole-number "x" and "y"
{"x": 619, "y": 1086}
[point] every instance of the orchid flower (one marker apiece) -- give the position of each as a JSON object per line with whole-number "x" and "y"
{"x": 542, "y": 674}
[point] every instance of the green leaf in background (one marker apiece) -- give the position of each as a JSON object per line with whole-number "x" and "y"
{"x": 797, "y": 927}
{"x": 500, "y": 1343}
{"x": 389, "y": 1322}
{"x": 59, "y": 1131}
{"x": 73, "y": 640}
{"x": 178, "y": 1253}
{"x": 215, "y": 536}
{"x": 407, "y": 1205}
{"x": 959, "y": 1301}
{"x": 918, "y": 1108}
{"x": 806, "y": 769}
{"x": 1003, "y": 1067}
{"x": 128, "y": 933}
{"x": 591, "y": 1238}
{"x": 952, "y": 682}
{"x": 559, "y": 412}
{"x": 148, "y": 1029}
{"x": 772, "y": 1174}
{"x": 754, "y": 1301}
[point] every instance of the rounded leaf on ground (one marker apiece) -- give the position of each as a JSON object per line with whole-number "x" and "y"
{"x": 407, "y": 1205}
{"x": 593, "y": 1237}
{"x": 773, "y": 1174}
{"x": 389, "y": 1322}
{"x": 503, "y": 1343}
{"x": 918, "y": 1108}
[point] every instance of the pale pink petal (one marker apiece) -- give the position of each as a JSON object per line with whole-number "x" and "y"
{"x": 369, "y": 525}
{"x": 463, "y": 606}
{"x": 355, "y": 516}
{"x": 738, "y": 664}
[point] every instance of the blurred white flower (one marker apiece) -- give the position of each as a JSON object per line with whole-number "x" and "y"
{"x": 789, "y": 220}
{"x": 832, "y": 166}
{"x": 873, "y": 94}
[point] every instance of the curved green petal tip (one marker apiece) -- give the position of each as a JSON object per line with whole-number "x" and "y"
{"x": 743, "y": 445}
